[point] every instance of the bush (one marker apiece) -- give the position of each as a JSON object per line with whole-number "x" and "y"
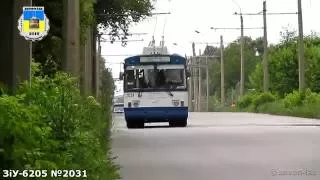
{"x": 49, "y": 125}
{"x": 306, "y": 111}
{"x": 245, "y": 101}
{"x": 311, "y": 98}
{"x": 251, "y": 102}
{"x": 293, "y": 99}
{"x": 299, "y": 104}
{"x": 275, "y": 107}
{"x": 216, "y": 106}
{"x": 296, "y": 98}
{"x": 22, "y": 134}
{"x": 262, "y": 99}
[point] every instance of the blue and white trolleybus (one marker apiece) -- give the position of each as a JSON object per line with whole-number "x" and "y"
{"x": 155, "y": 88}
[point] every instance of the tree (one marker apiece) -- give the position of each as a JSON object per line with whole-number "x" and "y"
{"x": 232, "y": 63}
{"x": 211, "y": 51}
{"x": 120, "y": 15}
{"x": 115, "y": 16}
{"x": 283, "y": 65}
{"x": 214, "y": 68}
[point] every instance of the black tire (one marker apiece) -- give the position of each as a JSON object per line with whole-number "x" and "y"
{"x": 140, "y": 124}
{"x": 133, "y": 124}
{"x": 178, "y": 123}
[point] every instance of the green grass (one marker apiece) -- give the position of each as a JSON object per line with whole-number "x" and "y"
{"x": 305, "y": 104}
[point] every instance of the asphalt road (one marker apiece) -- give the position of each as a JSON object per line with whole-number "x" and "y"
{"x": 220, "y": 146}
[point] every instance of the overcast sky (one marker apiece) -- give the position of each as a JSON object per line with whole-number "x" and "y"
{"x": 190, "y": 15}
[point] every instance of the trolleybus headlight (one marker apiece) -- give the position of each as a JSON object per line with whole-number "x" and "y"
{"x": 182, "y": 103}
{"x": 175, "y": 102}
{"x": 129, "y": 104}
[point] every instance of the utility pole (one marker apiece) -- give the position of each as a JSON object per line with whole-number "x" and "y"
{"x": 241, "y": 49}
{"x": 222, "y": 70}
{"x": 207, "y": 79}
{"x": 265, "y": 55}
{"x": 71, "y": 25}
{"x": 195, "y": 100}
{"x": 30, "y": 56}
{"x": 199, "y": 81}
{"x": 265, "y": 50}
{"x": 241, "y": 56}
{"x": 97, "y": 67}
{"x": 190, "y": 90}
{"x": 301, "y": 48}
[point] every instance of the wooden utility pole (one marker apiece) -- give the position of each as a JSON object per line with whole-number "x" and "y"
{"x": 207, "y": 79}
{"x": 190, "y": 88}
{"x": 97, "y": 67}
{"x": 222, "y": 70}
{"x": 265, "y": 50}
{"x": 242, "y": 60}
{"x": 71, "y": 25}
{"x": 301, "y": 48}
{"x": 265, "y": 55}
{"x": 194, "y": 75}
{"x": 199, "y": 81}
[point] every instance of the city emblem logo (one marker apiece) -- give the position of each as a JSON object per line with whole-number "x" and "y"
{"x": 33, "y": 23}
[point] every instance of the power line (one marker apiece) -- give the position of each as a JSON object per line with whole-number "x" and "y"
{"x": 120, "y": 55}
{"x": 122, "y": 34}
{"x": 165, "y": 21}
{"x": 212, "y": 43}
{"x": 265, "y": 63}
{"x": 260, "y": 14}
{"x": 135, "y": 40}
{"x": 113, "y": 63}
{"x": 235, "y": 28}
{"x": 135, "y": 14}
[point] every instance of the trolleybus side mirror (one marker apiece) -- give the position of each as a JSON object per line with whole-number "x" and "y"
{"x": 121, "y": 74}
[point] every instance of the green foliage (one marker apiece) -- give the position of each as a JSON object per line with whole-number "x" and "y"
{"x": 256, "y": 78}
{"x": 293, "y": 99}
{"x": 21, "y": 135}
{"x": 283, "y": 69}
{"x": 276, "y": 108}
{"x": 3, "y": 89}
{"x": 297, "y": 99}
{"x": 300, "y": 104}
{"x": 246, "y": 101}
{"x": 232, "y": 63}
{"x": 312, "y": 52}
{"x": 253, "y": 100}
{"x": 107, "y": 91}
{"x": 49, "y": 51}
{"x": 283, "y": 66}
{"x": 87, "y": 18}
{"x": 120, "y": 14}
{"x": 49, "y": 125}
{"x": 211, "y": 51}
{"x": 216, "y": 106}
{"x": 262, "y": 99}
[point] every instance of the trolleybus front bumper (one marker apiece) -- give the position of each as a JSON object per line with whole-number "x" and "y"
{"x": 156, "y": 114}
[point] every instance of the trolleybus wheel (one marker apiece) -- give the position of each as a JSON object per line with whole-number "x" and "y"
{"x": 178, "y": 123}
{"x": 140, "y": 124}
{"x": 135, "y": 124}
{"x": 131, "y": 125}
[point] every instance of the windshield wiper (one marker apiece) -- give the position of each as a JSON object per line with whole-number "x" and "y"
{"x": 170, "y": 93}
{"x": 174, "y": 88}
